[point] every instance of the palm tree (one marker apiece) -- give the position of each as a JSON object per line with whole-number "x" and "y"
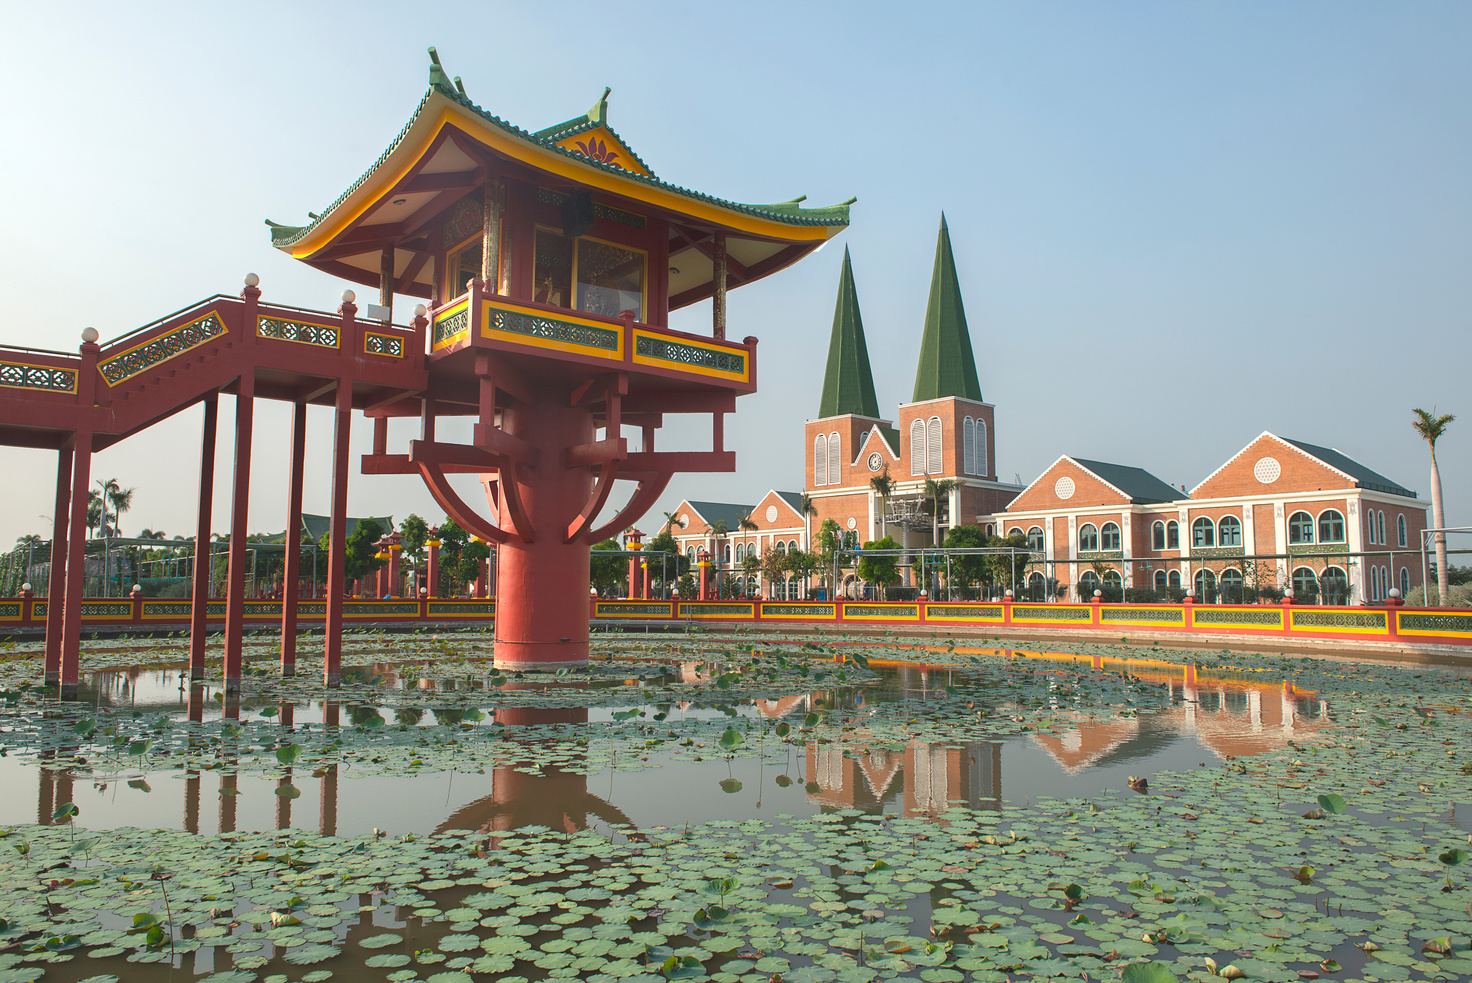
{"x": 1431, "y": 428}
{"x": 883, "y": 486}
{"x": 94, "y": 512}
{"x": 746, "y": 524}
{"x": 121, "y": 500}
{"x": 934, "y": 490}
{"x": 673, "y": 521}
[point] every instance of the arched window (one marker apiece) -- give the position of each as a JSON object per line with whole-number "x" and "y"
{"x": 1111, "y": 578}
{"x": 740, "y": 552}
{"x": 917, "y": 447}
{"x": 1374, "y": 582}
{"x": 781, "y": 547}
{"x": 1381, "y": 520}
{"x": 1300, "y": 530}
{"x": 1231, "y": 586}
{"x": 1205, "y": 586}
{"x": 1035, "y": 539}
{"x": 1109, "y": 536}
{"x": 1370, "y": 515}
{"x": 690, "y": 552}
{"x": 792, "y": 546}
{"x": 728, "y": 554}
{"x": 1172, "y": 535}
{"x": 1405, "y": 582}
{"x": 1175, "y": 579}
{"x": 1335, "y": 585}
{"x": 1037, "y": 586}
{"x": 1229, "y": 531}
{"x": 968, "y": 446}
{"x": 1400, "y": 532}
{"x": 1157, "y": 535}
{"x": 835, "y": 459}
{"x": 1331, "y": 526}
{"x": 981, "y": 468}
{"x": 1160, "y": 580}
{"x": 1088, "y": 582}
{"x": 989, "y": 529}
{"x": 934, "y": 451}
{"x": 1305, "y": 584}
{"x": 1203, "y": 533}
{"x": 1088, "y": 538}
{"x": 820, "y": 459}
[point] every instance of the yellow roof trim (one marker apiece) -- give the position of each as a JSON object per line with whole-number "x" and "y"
{"x": 554, "y": 163}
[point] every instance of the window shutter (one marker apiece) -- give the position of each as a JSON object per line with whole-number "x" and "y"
{"x": 835, "y": 459}
{"x": 935, "y": 450}
{"x": 917, "y": 447}
{"x": 968, "y": 451}
{"x": 820, "y": 460}
{"x": 981, "y": 467}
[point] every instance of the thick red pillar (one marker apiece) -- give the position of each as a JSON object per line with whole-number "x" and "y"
{"x": 71, "y": 632}
{"x": 395, "y": 550}
{"x": 337, "y": 538}
{"x": 239, "y": 509}
{"x": 56, "y": 588}
{"x": 635, "y": 580}
{"x": 432, "y": 565}
{"x": 704, "y": 594}
{"x": 542, "y": 586}
{"x": 199, "y": 603}
{"x": 291, "y": 571}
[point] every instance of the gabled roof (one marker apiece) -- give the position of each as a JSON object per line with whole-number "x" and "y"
{"x": 1138, "y": 485}
{"x": 449, "y": 139}
{"x": 890, "y": 436}
{"x": 791, "y": 498}
{"x": 947, "y": 365}
{"x": 318, "y": 526}
{"x": 713, "y": 512}
{"x": 564, "y": 134}
{"x": 1363, "y": 476}
{"x": 848, "y": 382}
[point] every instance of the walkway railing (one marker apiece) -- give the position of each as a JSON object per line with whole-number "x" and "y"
{"x": 1426, "y": 626}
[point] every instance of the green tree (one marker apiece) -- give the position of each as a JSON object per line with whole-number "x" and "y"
{"x": 1431, "y": 428}
{"x": 672, "y": 567}
{"x": 94, "y": 512}
{"x": 804, "y": 563}
{"x": 880, "y": 570}
{"x": 809, "y": 510}
{"x": 968, "y": 570}
{"x": 607, "y": 571}
{"x": 747, "y": 525}
{"x": 361, "y": 549}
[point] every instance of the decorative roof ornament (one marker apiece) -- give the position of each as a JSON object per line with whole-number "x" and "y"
{"x": 848, "y": 382}
{"x": 947, "y": 365}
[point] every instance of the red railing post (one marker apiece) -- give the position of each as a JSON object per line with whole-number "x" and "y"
{"x": 136, "y": 596}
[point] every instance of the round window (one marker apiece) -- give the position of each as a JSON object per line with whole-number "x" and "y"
{"x": 1063, "y": 488}
{"x": 771, "y": 513}
{"x": 853, "y": 523}
{"x": 1267, "y": 470}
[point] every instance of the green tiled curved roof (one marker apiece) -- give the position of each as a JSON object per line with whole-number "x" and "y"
{"x": 788, "y": 212}
{"x": 848, "y": 382}
{"x": 947, "y": 365}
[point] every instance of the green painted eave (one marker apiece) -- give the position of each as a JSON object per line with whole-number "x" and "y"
{"x": 848, "y": 381}
{"x": 788, "y": 212}
{"x": 947, "y": 365}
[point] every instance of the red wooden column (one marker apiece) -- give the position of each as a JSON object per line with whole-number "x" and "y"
{"x": 337, "y": 538}
{"x": 239, "y": 509}
{"x": 71, "y": 634}
{"x": 432, "y": 565}
{"x": 199, "y": 605}
{"x": 291, "y": 572}
{"x": 56, "y": 589}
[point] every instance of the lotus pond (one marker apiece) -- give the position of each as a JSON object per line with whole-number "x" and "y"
{"x": 820, "y": 808}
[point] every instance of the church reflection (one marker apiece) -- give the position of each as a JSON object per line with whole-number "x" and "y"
{"x": 1230, "y": 715}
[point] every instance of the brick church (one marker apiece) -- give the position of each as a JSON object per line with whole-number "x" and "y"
{"x": 1278, "y": 512}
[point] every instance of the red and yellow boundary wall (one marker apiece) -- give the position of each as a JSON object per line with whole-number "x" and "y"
{"x": 1425, "y": 626}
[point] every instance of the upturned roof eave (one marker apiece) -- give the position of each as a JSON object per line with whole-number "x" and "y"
{"x": 782, "y": 221}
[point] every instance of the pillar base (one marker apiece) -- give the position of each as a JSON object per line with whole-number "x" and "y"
{"x": 68, "y": 691}
{"x": 540, "y": 656}
{"x": 288, "y": 670}
{"x": 53, "y": 678}
{"x": 332, "y": 680}
{"x": 196, "y": 674}
{"x": 232, "y": 686}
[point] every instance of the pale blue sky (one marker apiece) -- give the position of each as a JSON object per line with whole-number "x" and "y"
{"x": 1177, "y": 224}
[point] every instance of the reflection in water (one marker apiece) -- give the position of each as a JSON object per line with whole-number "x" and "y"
{"x": 1210, "y": 714}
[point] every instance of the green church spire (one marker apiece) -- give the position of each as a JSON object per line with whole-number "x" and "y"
{"x": 947, "y": 366}
{"x": 848, "y": 383}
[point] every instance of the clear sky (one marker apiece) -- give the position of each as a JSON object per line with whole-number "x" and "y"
{"x": 1177, "y": 224}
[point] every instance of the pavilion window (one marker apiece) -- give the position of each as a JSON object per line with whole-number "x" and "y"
{"x": 1229, "y": 531}
{"x": 1331, "y": 526}
{"x": 588, "y": 275}
{"x": 463, "y": 266}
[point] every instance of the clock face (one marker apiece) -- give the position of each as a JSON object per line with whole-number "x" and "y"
{"x": 874, "y": 462}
